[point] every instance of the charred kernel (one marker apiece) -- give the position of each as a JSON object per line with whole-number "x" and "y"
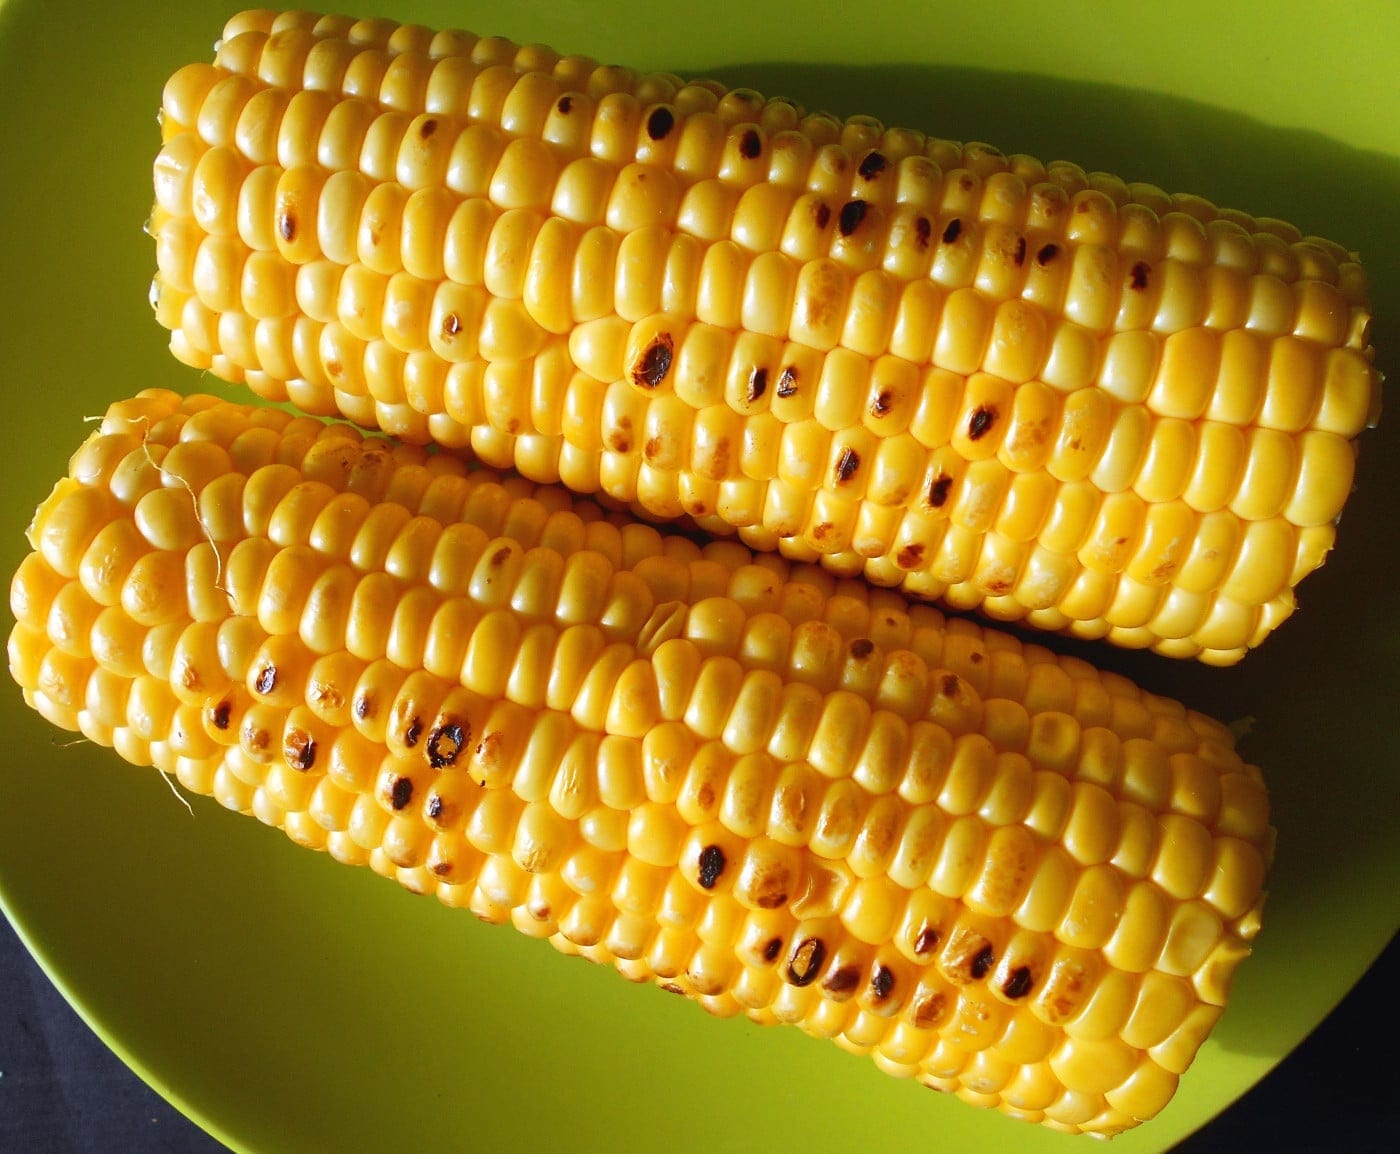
{"x": 659, "y": 123}
{"x": 286, "y": 225}
{"x": 758, "y": 383}
{"x": 620, "y": 438}
{"x": 427, "y": 128}
{"x": 949, "y": 685}
{"x": 413, "y": 732}
{"x": 772, "y": 948}
{"x": 910, "y": 556}
{"x": 1020, "y": 255}
{"x": 938, "y": 491}
{"x": 672, "y": 988}
{"x": 881, "y": 982}
{"x": 1018, "y": 985}
{"x": 655, "y": 362}
{"x": 846, "y": 464}
{"x": 881, "y": 404}
{"x": 873, "y": 164}
{"x": 923, "y": 232}
{"x": 451, "y": 325}
{"x": 852, "y": 213}
{"x": 952, "y": 231}
{"x": 841, "y": 981}
{"x": 750, "y": 145}
{"x": 1138, "y": 275}
{"x": 821, "y": 213}
{"x": 434, "y": 807}
{"x": 1047, "y": 253}
{"x": 862, "y": 647}
{"x": 565, "y": 104}
{"x": 711, "y": 866}
{"x": 299, "y": 748}
{"x": 222, "y": 714}
{"x": 982, "y": 419}
{"x": 364, "y": 706}
{"x": 806, "y": 961}
{"x": 401, "y": 792}
{"x": 982, "y": 962}
{"x": 446, "y": 742}
{"x": 267, "y": 679}
{"x": 787, "y": 381}
{"x": 927, "y": 941}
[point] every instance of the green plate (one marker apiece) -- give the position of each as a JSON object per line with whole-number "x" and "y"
{"x": 287, "y": 1003}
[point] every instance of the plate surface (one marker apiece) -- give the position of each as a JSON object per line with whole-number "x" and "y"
{"x": 288, "y": 1004}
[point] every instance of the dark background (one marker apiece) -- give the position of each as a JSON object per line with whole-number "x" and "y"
{"x": 63, "y": 1092}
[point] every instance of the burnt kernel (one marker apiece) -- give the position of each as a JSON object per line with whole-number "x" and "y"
{"x": 882, "y": 403}
{"x": 434, "y": 807}
{"x": 982, "y": 962}
{"x": 806, "y": 961}
{"x": 286, "y": 226}
{"x": 620, "y": 438}
{"x": 787, "y": 381}
{"x": 413, "y": 732}
{"x": 1018, "y": 985}
{"x": 982, "y": 419}
{"x": 750, "y": 144}
{"x": 266, "y": 680}
{"x": 1019, "y": 256}
{"x": 445, "y": 742}
{"x": 427, "y": 128}
{"x": 660, "y": 123}
{"x": 852, "y": 213}
{"x": 928, "y": 1009}
{"x": 910, "y": 556}
{"x": 499, "y": 557}
{"x": 401, "y": 792}
{"x": 952, "y": 231}
{"x": 364, "y": 706}
{"x": 1046, "y": 254}
{"x": 772, "y": 948}
{"x": 673, "y": 988}
{"x": 938, "y": 491}
{"x": 881, "y": 982}
{"x": 862, "y": 647}
{"x": 299, "y": 749}
{"x": 711, "y": 866}
{"x": 949, "y": 685}
{"x": 873, "y": 164}
{"x": 927, "y": 941}
{"x": 222, "y": 714}
{"x": 565, "y": 104}
{"x": 1138, "y": 275}
{"x": 652, "y": 449}
{"x": 846, "y": 465}
{"x": 441, "y": 868}
{"x": 842, "y": 981}
{"x": 923, "y": 232}
{"x": 651, "y": 369}
{"x": 821, "y": 214}
{"x": 451, "y": 325}
{"x": 758, "y": 383}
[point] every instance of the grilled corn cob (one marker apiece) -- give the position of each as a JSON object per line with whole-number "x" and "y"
{"x": 777, "y": 792}
{"x": 1052, "y": 396}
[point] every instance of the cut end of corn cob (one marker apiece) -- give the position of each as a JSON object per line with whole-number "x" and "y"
{"x": 994, "y": 870}
{"x": 1049, "y": 395}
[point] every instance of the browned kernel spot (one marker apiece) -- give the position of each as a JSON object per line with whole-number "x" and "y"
{"x": 1019, "y": 256}
{"x": 823, "y": 532}
{"x": 446, "y": 742}
{"x": 1082, "y": 206}
{"x": 413, "y": 732}
{"x": 427, "y": 128}
{"x": 401, "y": 792}
{"x": 862, "y": 647}
{"x": 953, "y": 230}
{"x": 434, "y": 807}
{"x": 927, "y": 941}
{"x": 881, "y": 982}
{"x": 451, "y": 326}
{"x": 806, "y": 961}
{"x": 441, "y": 868}
{"x": 852, "y": 213}
{"x": 982, "y": 962}
{"x": 266, "y": 680}
{"x": 222, "y": 714}
{"x": 565, "y": 105}
{"x": 711, "y": 866}
{"x": 299, "y": 748}
{"x": 1018, "y": 985}
{"x": 672, "y": 988}
{"x": 983, "y": 417}
{"x": 928, "y": 1009}
{"x": 949, "y": 685}
{"x": 910, "y": 556}
{"x": 620, "y": 438}
{"x": 287, "y": 225}
{"x": 923, "y": 231}
{"x": 750, "y": 145}
{"x": 841, "y": 981}
{"x": 652, "y": 449}
{"x": 540, "y": 911}
{"x": 364, "y": 706}
{"x": 660, "y": 122}
{"x": 938, "y": 491}
{"x": 653, "y": 365}
{"x": 772, "y": 948}
{"x": 1139, "y": 274}
{"x": 770, "y": 888}
{"x": 999, "y": 586}
{"x": 976, "y": 657}
{"x": 821, "y": 213}
{"x": 965, "y": 182}
{"x": 324, "y": 694}
{"x": 1046, "y": 254}
{"x": 882, "y": 403}
{"x": 758, "y": 383}
{"x": 334, "y": 369}
{"x": 846, "y": 464}
{"x": 498, "y": 558}
{"x": 787, "y": 381}
{"x": 873, "y": 164}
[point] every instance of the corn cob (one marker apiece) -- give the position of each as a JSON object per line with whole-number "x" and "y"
{"x": 1051, "y": 396}
{"x": 777, "y": 792}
